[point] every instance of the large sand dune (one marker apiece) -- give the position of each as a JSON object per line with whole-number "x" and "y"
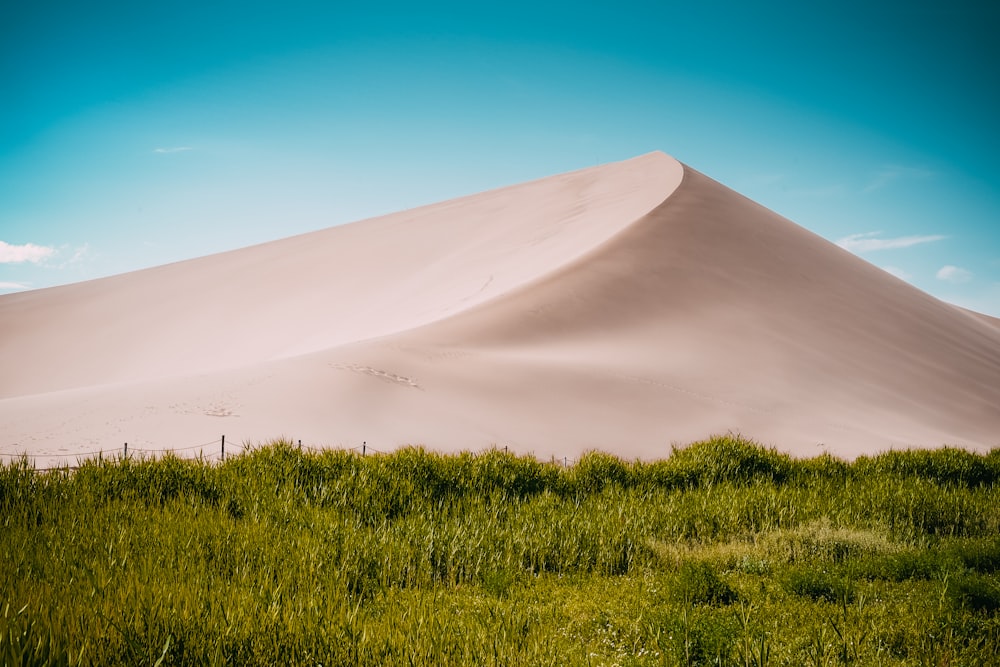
{"x": 624, "y": 307}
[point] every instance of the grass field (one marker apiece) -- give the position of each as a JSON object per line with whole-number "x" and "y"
{"x": 725, "y": 553}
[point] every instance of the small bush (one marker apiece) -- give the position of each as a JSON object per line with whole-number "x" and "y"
{"x": 597, "y": 470}
{"x": 947, "y": 465}
{"x": 694, "y": 637}
{"x": 904, "y": 565}
{"x": 518, "y": 477}
{"x": 979, "y": 555}
{"x": 698, "y": 583}
{"x": 819, "y": 585}
{"x": 499, "y": 582}
{"x": 823, "y": 467}
{"x": 976, "y": 591}
{"x": 730, "y": 458}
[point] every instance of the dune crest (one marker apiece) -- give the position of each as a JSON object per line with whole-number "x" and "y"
{"x": 623, "y": 307}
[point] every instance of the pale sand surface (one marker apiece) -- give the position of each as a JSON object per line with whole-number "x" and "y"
{"x": 625, "y": 307}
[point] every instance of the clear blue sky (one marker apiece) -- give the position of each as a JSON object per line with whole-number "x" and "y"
{"x": 136, "y": 133}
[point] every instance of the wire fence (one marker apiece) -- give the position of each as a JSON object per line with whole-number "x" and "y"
{"x": 217, "y": 451}
{"x": 216, "y": 447}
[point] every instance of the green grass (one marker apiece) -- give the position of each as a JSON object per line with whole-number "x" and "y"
{"x": 725, "y": 553}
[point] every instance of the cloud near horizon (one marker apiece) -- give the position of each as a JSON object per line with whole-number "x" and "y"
{"x": 869, "y": 241}
{"x": 953, "y": 274}
{"x": 80, "y": 253}
{"x": 29, "y": 252}
{"x": 173, "y": 149}
{"x": 9, "y": 285}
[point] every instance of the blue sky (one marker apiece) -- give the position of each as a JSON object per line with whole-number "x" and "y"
{"x": 134, "y": 134}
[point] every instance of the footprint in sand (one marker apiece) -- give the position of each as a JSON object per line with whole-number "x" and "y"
{"x": 381, "y": 375}
{"x": 219, "y": 411}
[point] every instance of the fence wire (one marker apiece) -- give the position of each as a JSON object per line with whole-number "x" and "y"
{"x": 126, "y": 451}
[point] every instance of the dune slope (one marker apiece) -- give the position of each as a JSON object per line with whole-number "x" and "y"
{"x": 318, "y": 290}
{"x": 624, "y": 307}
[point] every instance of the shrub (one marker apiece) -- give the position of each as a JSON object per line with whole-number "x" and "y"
{"x": 904, "y": 565}
{"x": 947, "y": 465}
{"x": 597, "y": 470}
{"x": 979, "y": 555}
{"x": 976, "y": 591}
{"x": 698, "y": 583}
{"x": 818, "y": 585}
{"x": 824, "y": 467}
{"x": 694, "y": 637}
{"x": 730, "y": 458}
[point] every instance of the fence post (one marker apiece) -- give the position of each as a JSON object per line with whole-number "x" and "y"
{"x": 223, "y": 447}
{"x": 300, "y": 445}
{"x": 364, "y": 445}
{"x": 126, "y": 450}
{"x": 565, "y": 464}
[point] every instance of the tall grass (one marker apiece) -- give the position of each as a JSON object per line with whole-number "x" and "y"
{"x": 725, "y": 553}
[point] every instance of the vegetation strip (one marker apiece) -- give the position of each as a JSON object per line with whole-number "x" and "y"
{"x": 725, "y": 553}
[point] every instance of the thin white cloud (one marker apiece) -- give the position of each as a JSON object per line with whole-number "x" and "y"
{"x": 29, "y": 252}
{"x": 954, "y": 274}
{"x": 80, "y": 253}
{"x": 892, "y": 173}
{"x": 173, "y": 149}
{"x": 869, "y": 241}
{"x": 896, "y": 271}
{"x": 7, "y": 285}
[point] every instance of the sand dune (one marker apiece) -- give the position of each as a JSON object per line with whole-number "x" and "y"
{"x": 624, "y": 307}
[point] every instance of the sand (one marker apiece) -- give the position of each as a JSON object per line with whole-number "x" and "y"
{"x": 626, "y": 307}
